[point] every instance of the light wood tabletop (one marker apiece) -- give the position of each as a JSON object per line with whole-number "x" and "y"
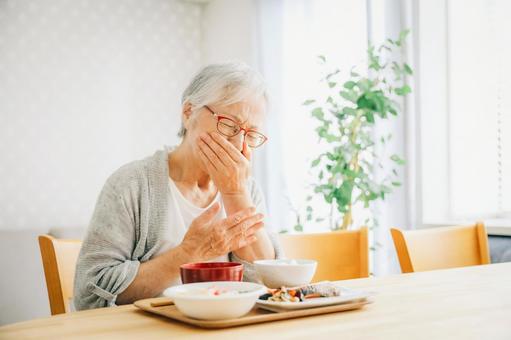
{"x": 462, "y": 303}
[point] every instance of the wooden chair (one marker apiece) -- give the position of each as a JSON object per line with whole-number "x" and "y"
{"x": 341, "y": 255}
{"x": 442, "y": 247}
{"x": 59, "y": 261}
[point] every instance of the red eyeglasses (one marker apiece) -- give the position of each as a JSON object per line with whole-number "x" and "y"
{"x": 229, "y": 128}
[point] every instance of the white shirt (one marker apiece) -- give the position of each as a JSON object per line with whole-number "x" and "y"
{"x": 181, "y": 214}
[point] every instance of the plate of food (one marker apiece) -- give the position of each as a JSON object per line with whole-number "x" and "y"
{"x": 309, "y": 296}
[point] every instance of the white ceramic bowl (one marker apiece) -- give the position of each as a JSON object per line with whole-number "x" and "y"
{"x": 189, "y": 300}
{"x": 288, "y": 273}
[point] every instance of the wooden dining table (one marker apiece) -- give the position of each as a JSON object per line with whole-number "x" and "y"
{"x": 460, "y": 303}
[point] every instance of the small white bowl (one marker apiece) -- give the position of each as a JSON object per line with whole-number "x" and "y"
{"x": 285, "y": 272}
{"x": 191, "y": 300}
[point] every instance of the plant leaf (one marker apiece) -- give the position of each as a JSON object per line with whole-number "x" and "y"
{"x": 330, "y": 75}
{"x": 349, "y": 111}
{"x": 402, "y": 37}
{"x": 370, "y": 117}
{"x": 349, "y": 84}
{"x": 318, "y": 113}
{"x": 397, "y": 159}
{"x": 402, "y": 91}
{"x": 364, "y": 84}
{"x": 407, "y": 69}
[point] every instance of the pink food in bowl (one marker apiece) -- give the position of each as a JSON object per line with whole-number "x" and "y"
{"x": 211, "y": 271}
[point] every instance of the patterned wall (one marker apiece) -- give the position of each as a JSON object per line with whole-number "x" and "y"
{"x": 85, "y": 86}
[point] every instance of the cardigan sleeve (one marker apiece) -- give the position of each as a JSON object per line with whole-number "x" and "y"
{"x": 105, "y": 267}
{"x": 249, "y": 272}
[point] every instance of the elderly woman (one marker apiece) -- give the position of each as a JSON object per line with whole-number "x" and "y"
{"x": 195, "y": 202}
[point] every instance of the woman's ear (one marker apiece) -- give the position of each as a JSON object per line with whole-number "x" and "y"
{"x": 186, "y": 114}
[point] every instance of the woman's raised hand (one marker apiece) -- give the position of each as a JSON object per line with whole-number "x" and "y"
{"x": 228, "y": 167}
{"x": 208, "y": 238}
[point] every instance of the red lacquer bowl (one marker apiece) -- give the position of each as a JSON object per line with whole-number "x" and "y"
{"x": 211, "y": 271}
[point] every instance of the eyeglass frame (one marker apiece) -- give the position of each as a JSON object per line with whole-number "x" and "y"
{"x": 220, "y": 117}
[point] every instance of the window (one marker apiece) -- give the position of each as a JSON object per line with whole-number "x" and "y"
{"x": 465, "y": 110}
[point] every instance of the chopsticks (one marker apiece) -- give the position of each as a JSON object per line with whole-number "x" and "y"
{"x": 161, "y": 303}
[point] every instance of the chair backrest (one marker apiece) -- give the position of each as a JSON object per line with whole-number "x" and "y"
{"x": 441, "y": 247}
{"x": 59, "y": 261}
{"x": 341, "y": 255}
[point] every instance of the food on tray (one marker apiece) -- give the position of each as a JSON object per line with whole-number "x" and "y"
{"x": 297, "y": 294}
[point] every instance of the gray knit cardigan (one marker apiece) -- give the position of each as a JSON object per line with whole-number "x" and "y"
{"x": 127, "y": 227}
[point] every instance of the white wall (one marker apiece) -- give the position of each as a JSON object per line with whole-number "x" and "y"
{"x": 85, "y": 86}
{"x": 229, "y": 31}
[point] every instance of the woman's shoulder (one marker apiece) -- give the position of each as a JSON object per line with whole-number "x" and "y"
{"x": 138, "y": 172}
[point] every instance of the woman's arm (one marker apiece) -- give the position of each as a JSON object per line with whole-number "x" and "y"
{"x": 155, "y": 275}
{"x": 260, "y": 249}
{"x": 105, "y": 266}
{"x": 106, "y": 271}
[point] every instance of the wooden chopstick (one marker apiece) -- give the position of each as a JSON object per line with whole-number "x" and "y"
{"x": 161, "y": 303}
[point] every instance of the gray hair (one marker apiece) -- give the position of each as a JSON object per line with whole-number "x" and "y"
{"x": 225, "y": 84}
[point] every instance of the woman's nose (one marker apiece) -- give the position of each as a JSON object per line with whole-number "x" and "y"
{"x": 238, "y": 140}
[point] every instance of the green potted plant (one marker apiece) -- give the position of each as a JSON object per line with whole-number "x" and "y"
{"x": 347, "y": 118}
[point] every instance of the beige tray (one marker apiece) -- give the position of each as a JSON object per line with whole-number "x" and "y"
{"x": 256, "y": 315}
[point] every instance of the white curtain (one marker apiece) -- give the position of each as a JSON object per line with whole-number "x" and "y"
{"x": 268, "y": 164}
{"x": 386, "y": 19}
{"x": 290, "y": 36}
